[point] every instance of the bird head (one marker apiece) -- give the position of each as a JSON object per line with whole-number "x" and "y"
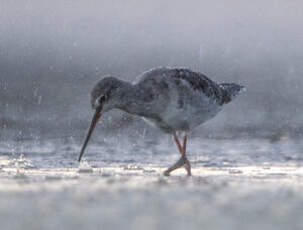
{"x": 103, "y": 94}
{"x": 103, "y": 98}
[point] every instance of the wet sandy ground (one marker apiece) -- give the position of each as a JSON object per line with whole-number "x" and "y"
{"x": 50, "y": 191}
{"x": 141, "y": 198}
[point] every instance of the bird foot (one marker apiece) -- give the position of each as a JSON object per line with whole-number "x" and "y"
{"x": 183, "y": 161}
{"x": 187, "y": 167}
{"x": 166, "y": 173}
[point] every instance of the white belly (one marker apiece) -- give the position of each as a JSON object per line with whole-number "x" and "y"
{"x": 183, "y": 119}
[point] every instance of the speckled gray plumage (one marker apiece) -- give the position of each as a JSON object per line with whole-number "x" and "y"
{"x": 173, "y": 99}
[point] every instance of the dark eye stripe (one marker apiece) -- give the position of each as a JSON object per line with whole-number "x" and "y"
{"x": 102, "y": 99}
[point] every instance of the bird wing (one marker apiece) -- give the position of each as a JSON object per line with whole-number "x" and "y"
{"x": 195, "y": 80}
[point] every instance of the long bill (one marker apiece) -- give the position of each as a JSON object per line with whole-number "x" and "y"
{"x": 95, "y": 120}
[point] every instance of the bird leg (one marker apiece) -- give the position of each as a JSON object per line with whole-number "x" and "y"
{"x": 183, "y": 161}
{"x": 187, "y": 164}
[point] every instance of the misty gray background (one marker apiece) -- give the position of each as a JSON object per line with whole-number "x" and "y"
{"x": 53, "y": 52}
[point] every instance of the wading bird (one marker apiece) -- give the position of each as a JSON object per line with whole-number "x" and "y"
{"x": 172, "y": 99}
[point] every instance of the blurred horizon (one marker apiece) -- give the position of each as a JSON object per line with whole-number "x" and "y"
{"x": 51, "y": 55}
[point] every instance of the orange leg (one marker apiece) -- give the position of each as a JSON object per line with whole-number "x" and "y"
{"x": 183, "y": 161}
{"x": 187, "y": 164}
{"x": 180, "y": 147}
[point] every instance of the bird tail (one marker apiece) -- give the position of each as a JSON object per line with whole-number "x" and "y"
{"x": 230, "y": 91}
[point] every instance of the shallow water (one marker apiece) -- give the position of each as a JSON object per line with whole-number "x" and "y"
{"x": 237, "y": 184}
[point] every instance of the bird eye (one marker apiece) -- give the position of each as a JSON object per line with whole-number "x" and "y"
{"x": 101, "y": 99}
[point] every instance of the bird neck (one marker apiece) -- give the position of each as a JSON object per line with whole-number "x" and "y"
{"x": 129, "y": 98}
